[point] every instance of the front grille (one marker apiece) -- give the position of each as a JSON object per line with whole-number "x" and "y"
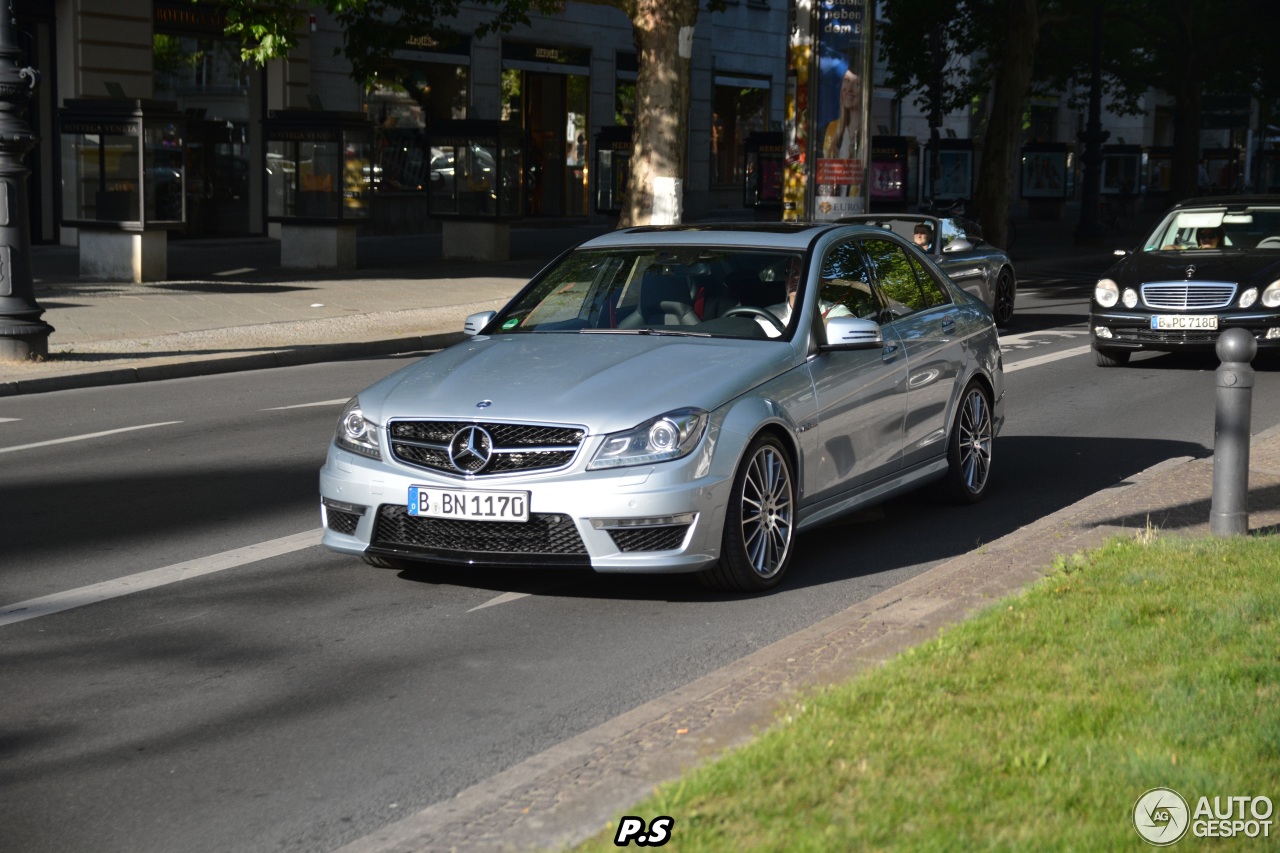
{"x": 1188, "y": 295}
{"x": 543, "y": 535}
{"x": 1164, "y": 336}
{"x": 469, "y": 448}
{"x": 341, "y": 522}
{"x": 666, "y": 538}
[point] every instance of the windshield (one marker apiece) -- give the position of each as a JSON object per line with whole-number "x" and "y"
{"x": 1217, "y": 228}
{"x": 713, "y": 292}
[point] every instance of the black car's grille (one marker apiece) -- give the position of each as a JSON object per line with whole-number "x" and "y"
{"x": 342, "y": 522}
{"x": 543, "y": 535}
{"x": 665, "y": 538}
{"x": 1164, "y": 336}
{"x": 469, "y": 448}
{"x": 1188, "y": 295}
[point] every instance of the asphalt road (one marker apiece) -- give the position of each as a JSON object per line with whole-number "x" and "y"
{"x": 299, "y": 701}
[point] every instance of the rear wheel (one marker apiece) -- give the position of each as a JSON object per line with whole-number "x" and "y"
{"x": 759, "y": 529}
{"x": 1111, "y": 357}
{"x": 969, "y": 447}
{"x": 1005, "y": 293}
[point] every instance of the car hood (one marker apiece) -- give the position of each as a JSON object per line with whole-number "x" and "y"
{"x": 604, "y": 382}
{"x": 1245, "y": 268}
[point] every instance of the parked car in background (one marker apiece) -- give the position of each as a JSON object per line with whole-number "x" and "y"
{"x": 1211, "y": 264}
{"x": 668, "y": 399}
{"x": 956, "y": 245}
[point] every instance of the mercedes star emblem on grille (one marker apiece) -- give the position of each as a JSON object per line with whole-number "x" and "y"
{"x": 1191, "y": 270}
{"x": 470, "y": 449}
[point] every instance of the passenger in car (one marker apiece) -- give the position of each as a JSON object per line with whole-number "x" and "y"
{"x": 923, "y": 237}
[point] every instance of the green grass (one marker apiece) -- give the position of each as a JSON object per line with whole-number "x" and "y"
{"x": 1035, "y": 725}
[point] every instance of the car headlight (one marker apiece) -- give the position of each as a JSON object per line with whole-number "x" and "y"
{"x": 1271, "y": 296}
{"x": 661, "y": 439}
{"x": 1130, "y": 297}
{"x": 357, "y": 434}
{"x": 1249, "y": 297}
{"x": 1106, "y": 293}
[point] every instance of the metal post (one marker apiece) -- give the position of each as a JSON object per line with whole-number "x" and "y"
{"x": 23, "y": 335}
{"x": 1229, "y": 514}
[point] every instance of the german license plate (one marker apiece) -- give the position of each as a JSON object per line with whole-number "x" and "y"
{"x": 471, "y": 505}
{"x": 1184, "y": 321}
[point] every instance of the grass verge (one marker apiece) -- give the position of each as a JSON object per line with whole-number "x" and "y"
{"x": 1035, "y": 725}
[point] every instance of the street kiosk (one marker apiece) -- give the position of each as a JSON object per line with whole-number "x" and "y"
{"x": 318, "y": 184}
{"x": 477, "y": 178}
{"x": 122, "y": 184}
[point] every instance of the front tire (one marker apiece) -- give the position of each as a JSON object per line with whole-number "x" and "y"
{"x": 1004, "y": 298}
{"x": 759, "y": 525}
{"x": 969, "y": 448}
{"x": 1111, "y": 357}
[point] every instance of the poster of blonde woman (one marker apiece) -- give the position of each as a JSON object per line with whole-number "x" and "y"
{"x": 843, "y": 107}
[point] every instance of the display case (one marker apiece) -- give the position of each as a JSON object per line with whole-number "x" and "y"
{"x": 1223, "y": 169}
{"x": 952, "y": 179}
{"x": 764, "y": 158}
{"x": 122, "y": 164}
{"x": 1123, "y": 170}
{"x": 613, "y": 168}
{"x": 319, "y": 166}
{"x": 475, "y": 170}
{"x": 892, "y": 167}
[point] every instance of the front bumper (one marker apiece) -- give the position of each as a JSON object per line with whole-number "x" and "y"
{"x": 657, "y": 518}
{"x": 1129, "y": 330}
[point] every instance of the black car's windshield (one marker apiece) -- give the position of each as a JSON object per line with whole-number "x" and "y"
{"x": 707, "y": 291}
{"x": 1217, "y": 229}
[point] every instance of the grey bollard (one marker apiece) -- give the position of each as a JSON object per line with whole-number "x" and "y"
{"x": 1229, "y": 514}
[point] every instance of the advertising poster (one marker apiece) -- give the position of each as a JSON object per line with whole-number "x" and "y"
{"x": 842, "y": 104}
{"x": 799, "y": 59}
{"x": 1044, "y": 174}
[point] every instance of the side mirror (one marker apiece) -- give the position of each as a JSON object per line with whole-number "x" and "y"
{"x": 853, "y": 333}
{"x": 476, "y": 322}
{"x": 959, "y": 244}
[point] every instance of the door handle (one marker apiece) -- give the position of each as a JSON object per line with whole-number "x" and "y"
{"x": 889, "y": 353}
{"x": 949, "y": 324}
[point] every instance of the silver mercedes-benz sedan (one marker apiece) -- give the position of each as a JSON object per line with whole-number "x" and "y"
{"x": 675, "y": 399}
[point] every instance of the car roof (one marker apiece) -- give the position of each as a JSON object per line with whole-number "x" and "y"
{"x": 1228, "y": 201}
{"x": 756, "y": 235}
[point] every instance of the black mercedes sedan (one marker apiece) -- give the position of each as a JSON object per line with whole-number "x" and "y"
{"x": 1211, "y": 264}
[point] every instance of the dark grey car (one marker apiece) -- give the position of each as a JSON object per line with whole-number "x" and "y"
{"x": 956, "y": 245}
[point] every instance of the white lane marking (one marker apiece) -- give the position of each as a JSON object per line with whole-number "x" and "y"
{"x": 84, "y": 437}
{"x": 59, "y": 601}
{"x": 307, "y": 405}
{"x": 1045, "y": 359}
{"x": 9, "y": 420}
{"x": 501, "y": 599}
{"x": 236, "y": 271}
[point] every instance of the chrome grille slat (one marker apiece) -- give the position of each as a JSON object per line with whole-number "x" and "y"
{"x": 517, "y": 447}
{"x": 1188, "y": 295}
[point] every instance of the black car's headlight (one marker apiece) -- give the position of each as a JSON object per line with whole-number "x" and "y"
{"x": 660, "y": 439}
{"x": 1271, "y": 296}
{"x": 1106, "y": 293}
{"x": 357, "y": 434}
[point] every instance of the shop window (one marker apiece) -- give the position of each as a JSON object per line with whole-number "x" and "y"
{"x": 737, "y": 112}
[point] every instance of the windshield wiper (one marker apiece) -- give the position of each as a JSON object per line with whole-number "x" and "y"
{"x": 646, "y": 331}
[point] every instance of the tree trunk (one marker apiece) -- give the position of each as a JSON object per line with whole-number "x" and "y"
{"x": 663, "y": 31}
{"x": 1004, "y": 130}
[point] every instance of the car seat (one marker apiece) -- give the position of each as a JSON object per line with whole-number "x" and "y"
{"x": 664, "y": 301}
